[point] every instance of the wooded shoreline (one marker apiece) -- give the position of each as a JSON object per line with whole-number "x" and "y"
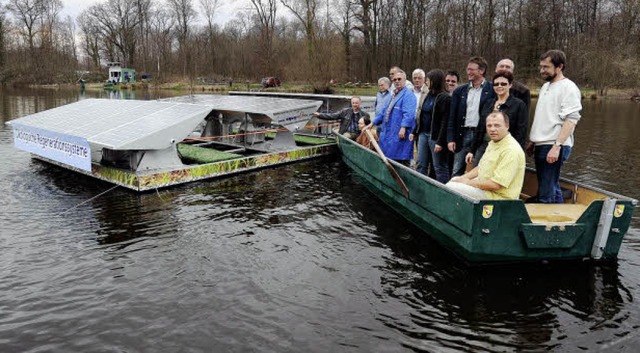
{"x": 361, "y": 90}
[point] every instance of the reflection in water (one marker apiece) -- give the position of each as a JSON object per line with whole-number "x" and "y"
{"x": 297, "y": 258}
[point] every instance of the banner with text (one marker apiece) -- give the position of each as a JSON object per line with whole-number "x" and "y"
{"x": 67, "y": 149}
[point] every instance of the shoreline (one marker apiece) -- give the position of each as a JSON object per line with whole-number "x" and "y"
{"x": 587, "y": 93}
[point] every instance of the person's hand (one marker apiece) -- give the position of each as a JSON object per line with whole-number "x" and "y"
{"x": 437, "y": 149}
{"x": 529, "y": 149}
{"x": 411, "y": 137}
{"x": 402, "y": 132}
{"x": 367, "y": 127}
{"x": 456, "y": 179}
{"x": 469, "y": 158}
{"x": 554, "y": 154}
{"x": 452, "y": 147}
{"x": 316, "y": 114}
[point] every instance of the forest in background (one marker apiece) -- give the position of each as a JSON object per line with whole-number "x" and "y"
{"x": 314, "y": 41}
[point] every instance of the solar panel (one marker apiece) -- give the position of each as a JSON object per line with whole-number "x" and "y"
{"x": 149, "y": 125}
{"x": 121, "y": 124}
{"x": 270, "y": 106}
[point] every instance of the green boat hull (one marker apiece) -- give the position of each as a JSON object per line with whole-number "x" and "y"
{"x": 485, "y": 231}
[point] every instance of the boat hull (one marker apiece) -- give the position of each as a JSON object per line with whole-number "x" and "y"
{"x": 484, "y": 231}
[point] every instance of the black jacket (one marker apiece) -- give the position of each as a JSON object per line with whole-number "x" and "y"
{"x": 344, "y": 116}
{"x": 518, "y": 120}
{"x": 439, "y": 117}
{"x": 458, "y": 111}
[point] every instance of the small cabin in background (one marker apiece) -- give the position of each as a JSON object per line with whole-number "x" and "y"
{"x": 119, "y": 74}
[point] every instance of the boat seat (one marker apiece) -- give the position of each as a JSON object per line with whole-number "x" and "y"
{"x": 555, "y": 213}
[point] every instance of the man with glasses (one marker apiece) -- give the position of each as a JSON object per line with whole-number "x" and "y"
{"x": 348, "y": 118}
{"x": 518, "y": 89}
{"x": 392, "y": 72}
{"x": 398, "y": 119}
{"x": 451, "y": 81}
{"x": 551, "y": 137}
{"x": 464, "y": 115}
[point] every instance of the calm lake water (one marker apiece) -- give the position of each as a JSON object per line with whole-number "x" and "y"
{"x": 300, "y": 258}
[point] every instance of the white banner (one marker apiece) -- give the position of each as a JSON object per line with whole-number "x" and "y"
{"x": 67, "y": 149}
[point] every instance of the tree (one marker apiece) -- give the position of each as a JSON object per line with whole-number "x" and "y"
{"x": 305, "y": 11}
{"x": 266, "y": 13}
{"x": 209, "y": 9}
{"x": 28, "y": 12}
{"x": 117, "y": 21}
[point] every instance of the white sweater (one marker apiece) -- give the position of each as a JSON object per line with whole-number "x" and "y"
{"x": 557, "y": 101}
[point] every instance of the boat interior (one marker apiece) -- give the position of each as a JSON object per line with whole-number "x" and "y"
{"x": 576, "y": 200}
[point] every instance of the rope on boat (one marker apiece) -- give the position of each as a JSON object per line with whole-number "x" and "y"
{"x": 91, "y": 199}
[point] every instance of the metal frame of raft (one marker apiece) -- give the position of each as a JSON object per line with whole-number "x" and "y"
{"x": 145, "y": 145}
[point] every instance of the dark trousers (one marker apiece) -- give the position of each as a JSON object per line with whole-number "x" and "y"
{"x": 549, "y": 174}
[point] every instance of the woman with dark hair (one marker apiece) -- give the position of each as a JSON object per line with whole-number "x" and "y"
{"x": 514, "y": 107}
{"x": 432, "y": 115}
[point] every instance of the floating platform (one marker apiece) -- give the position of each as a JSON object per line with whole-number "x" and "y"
{"x": 145, "y": 145}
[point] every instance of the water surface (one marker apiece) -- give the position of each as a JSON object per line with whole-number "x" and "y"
{"x": 301, "y": 258}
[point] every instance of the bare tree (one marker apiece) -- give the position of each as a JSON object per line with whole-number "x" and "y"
{"x": 90, "y": 39}
{"x": 266, "y": 13}
{"x": 117, "y": 21}
{"x": 305, "y": 11}
{"x": 184, "y": 15}
{"x": 28, "y": 12}
{"x": 345, "y": 26}
{"x": 209, "y": 9}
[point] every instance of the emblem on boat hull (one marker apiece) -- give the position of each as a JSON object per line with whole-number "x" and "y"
{"x": 487, "y": 211}
{"x": 619, "y": 211}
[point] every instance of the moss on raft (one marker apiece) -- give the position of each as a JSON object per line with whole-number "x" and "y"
{"x": 204, "y": 155}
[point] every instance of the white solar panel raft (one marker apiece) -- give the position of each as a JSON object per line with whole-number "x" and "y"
{"x": 133, "y": 143}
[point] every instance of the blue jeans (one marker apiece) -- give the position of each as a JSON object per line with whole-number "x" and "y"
{"x": 424, "y": 153}
{"x": 459, "y": 165}
{"x": 440, "y": 162}
{"x": 549, "y": 174}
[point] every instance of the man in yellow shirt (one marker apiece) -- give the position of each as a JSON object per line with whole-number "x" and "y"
{"x": 500, "y": 173}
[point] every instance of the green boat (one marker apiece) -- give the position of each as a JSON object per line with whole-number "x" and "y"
{"x": 590, "y": 224}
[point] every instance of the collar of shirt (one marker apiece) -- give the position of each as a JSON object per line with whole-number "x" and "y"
{"x": 479, "y": 87}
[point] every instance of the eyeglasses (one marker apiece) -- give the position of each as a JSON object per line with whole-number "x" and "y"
{"x": 397, "y": 79}
{"x": 503, "y": 84}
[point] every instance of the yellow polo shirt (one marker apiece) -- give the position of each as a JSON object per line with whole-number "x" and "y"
{"x": 503, "y": 162}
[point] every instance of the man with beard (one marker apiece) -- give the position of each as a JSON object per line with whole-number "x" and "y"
{"x": 551, "y": 137}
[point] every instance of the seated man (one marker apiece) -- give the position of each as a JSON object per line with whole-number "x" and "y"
{"x": 348, "y": 118}
{"x": 363, "y": 139}
{"x": 500, "y": 174}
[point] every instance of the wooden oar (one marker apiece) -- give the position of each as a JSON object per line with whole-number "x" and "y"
{"x": 392, "y": 170}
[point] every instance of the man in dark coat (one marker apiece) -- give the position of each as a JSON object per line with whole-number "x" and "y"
{"x": 464, "y": 114}
{"x": 347, "y": 117}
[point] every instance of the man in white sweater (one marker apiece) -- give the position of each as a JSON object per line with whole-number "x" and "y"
{"x": 556, "y": 116}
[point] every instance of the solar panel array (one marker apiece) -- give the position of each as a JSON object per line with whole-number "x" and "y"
{"x": 143, "y": 125}
{"x": 118, "y": 124}
{"x": 269, "y": 106}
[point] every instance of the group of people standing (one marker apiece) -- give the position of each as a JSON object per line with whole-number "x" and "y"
{"x": 482, "y": 123}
